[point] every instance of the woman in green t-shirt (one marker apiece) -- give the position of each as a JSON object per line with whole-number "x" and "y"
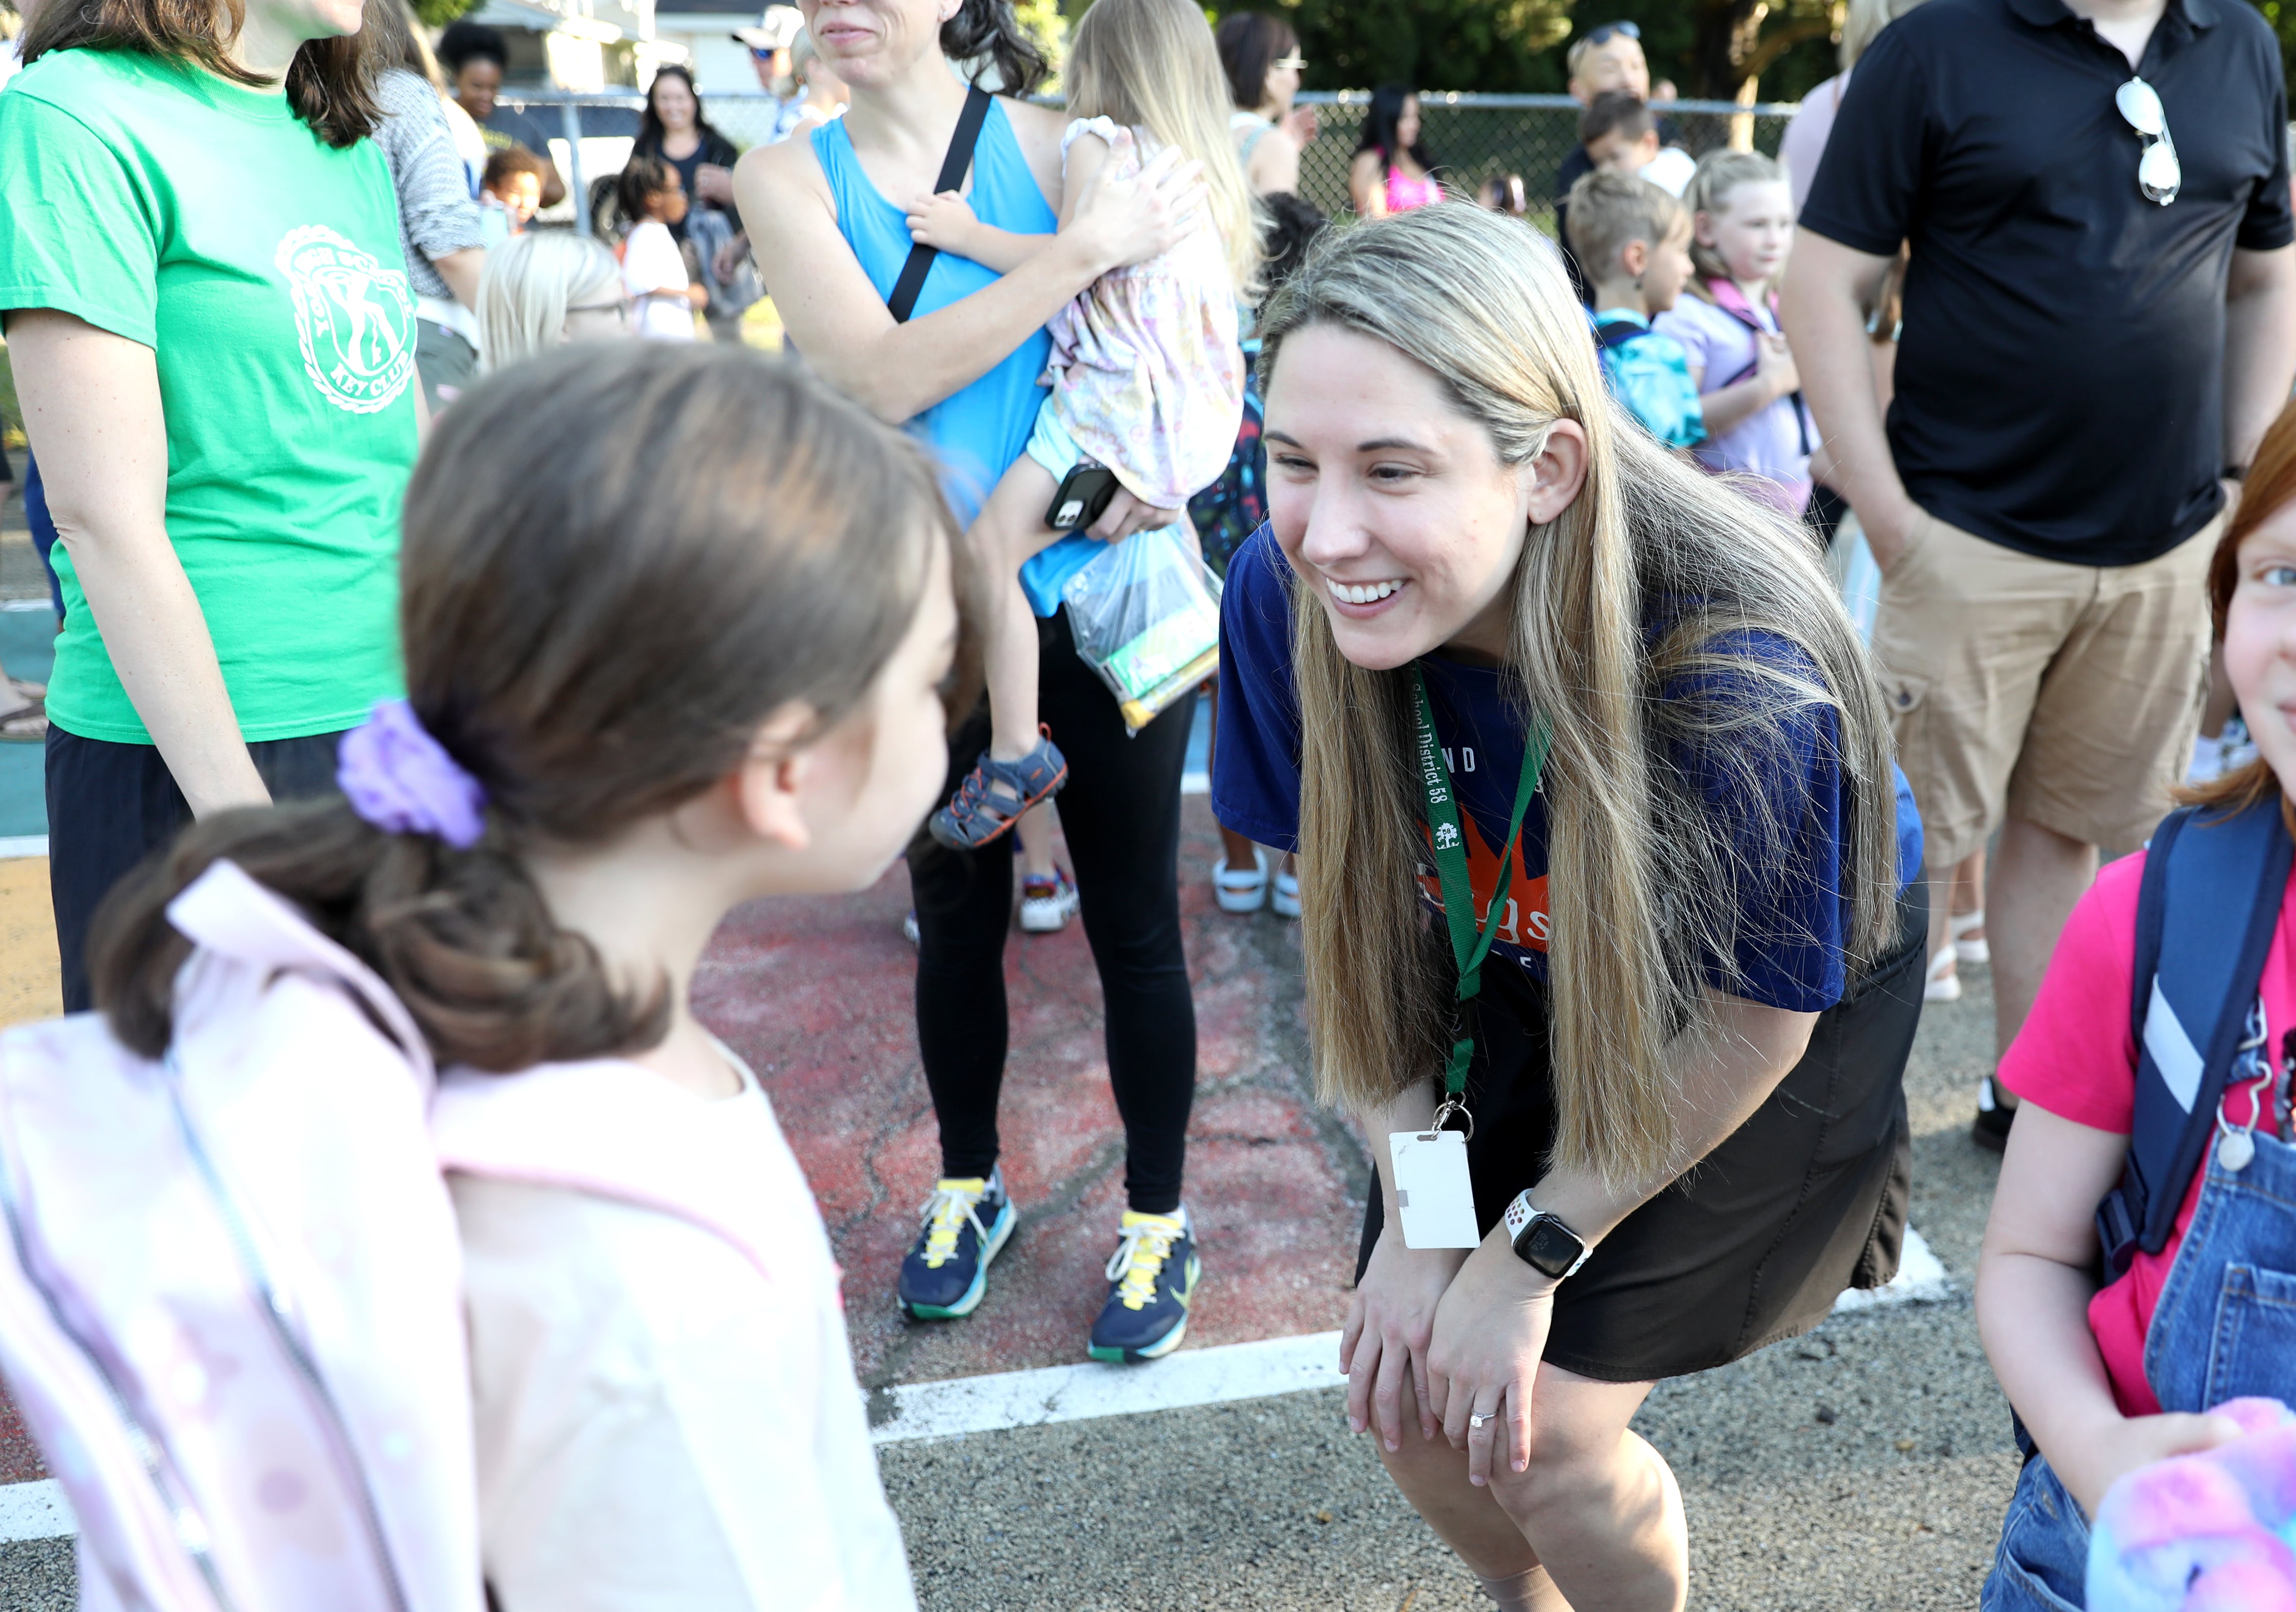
{"x": 213, "y": 337}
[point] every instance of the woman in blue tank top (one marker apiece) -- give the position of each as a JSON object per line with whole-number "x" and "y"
{"x": 828, "y": 217}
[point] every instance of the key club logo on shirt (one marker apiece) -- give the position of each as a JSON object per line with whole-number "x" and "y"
{"x": 354, "y": 317}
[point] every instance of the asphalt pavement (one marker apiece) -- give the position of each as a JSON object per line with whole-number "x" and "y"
{"x": 1865, "y": 1465}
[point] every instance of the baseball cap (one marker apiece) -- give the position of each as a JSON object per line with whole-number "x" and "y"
{"x": 776, "y": 29}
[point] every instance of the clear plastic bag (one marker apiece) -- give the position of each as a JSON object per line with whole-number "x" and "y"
{"x": 1146, "y": 616}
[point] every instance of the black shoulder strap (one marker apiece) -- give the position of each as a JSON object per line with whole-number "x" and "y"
{"x": 953, "y": 167}
{"x": 2206, "y": 912}
{"x": 2152, "y": 898}
{"x": 1617, "y": 332}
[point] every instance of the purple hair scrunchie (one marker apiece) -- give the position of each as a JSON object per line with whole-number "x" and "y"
{"x": 402, "y": 780}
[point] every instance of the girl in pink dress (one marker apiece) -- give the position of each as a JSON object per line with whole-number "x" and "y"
{"x": 1392, "y": 171}
{"x": 1147, "y": 373}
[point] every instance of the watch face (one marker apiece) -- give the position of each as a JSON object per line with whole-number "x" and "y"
{"x": 1552, "y": 1248}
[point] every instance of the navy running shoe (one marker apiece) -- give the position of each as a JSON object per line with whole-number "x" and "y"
{"x": 1153, "y": 1274}
{"x": 967, "y": 1221}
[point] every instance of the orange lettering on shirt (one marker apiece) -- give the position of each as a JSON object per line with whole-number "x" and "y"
{"x": 1525, "y": 919}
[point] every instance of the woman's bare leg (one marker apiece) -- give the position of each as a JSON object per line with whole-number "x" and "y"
{"x": 1238, "y": 847}
{"x": 1597, "y": 1508}
{"x": 1969, "y": 888}
{"x": 1009, "y": 532}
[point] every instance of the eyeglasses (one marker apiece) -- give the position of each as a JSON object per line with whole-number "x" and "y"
{"x": 620, "y": 308}
{"x": 2158, "y": 173}
{"x": 1613, "y": 31}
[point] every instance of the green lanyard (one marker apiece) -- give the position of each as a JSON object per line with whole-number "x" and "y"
{"x": 1469, "y": 945}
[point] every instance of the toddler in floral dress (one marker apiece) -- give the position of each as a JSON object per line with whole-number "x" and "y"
{"x": 1146, "y": 373}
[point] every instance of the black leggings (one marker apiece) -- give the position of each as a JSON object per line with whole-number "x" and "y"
{"x": 1120, "y": 811}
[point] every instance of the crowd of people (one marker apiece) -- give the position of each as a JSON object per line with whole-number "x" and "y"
{"x": 437, "y": 667}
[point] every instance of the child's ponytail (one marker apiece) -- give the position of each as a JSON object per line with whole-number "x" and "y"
{"x": 462, "y": 937}
{"x": 619, "y": 563}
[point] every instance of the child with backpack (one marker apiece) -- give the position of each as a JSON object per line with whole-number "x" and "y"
{"x": 1147, "y": 371}
{"x": 1742, "y": 219}
{"x": 1633, "y": 243}
{"x": 2139, "y": 1269}
{"x": 676, "y": 625}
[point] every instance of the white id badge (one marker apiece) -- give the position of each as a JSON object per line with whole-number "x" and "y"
{"x": 1435, "y": 1199}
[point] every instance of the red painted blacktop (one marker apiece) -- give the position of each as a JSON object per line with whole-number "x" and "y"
{"x": 816, "y": 995}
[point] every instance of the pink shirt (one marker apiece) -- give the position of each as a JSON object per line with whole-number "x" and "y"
{"x": 2076, "y": 1058}
{"x": 1405, "y": 192}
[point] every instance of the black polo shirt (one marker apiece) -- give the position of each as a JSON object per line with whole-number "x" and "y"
{"x": 2060, "y": 380}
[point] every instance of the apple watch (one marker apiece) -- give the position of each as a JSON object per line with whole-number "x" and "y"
{"x": 1543, "y": 1242}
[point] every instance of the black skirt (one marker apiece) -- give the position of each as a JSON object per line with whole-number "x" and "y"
{"x": 1806, "y": 1198}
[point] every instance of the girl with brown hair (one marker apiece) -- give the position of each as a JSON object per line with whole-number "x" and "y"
{"x": 696, "y": 659}
{"x": 1663, "y": 968}
{"x": 1260, "y": 55}
{"x": 214, "y": 340}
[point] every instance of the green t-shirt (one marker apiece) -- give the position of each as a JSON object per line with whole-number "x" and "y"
{"x": 263, "y": 268}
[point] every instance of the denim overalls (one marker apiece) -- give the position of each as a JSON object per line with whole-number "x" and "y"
{"x": 2226, "y": 1326}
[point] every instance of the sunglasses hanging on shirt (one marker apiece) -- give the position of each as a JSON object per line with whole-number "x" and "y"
{"x": 2158, "y": 174}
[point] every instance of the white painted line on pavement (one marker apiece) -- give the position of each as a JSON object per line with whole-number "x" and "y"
{"x": 1921, "y": 1279}
{"x": 1068, "y": 1394}
{"x": 1080, "y": 1392}
{"x": 1232, "y": 1372}
{"x": 22, "y": 845}
{"x": 35, "y": 1512}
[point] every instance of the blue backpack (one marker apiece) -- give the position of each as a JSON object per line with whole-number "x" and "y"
{"x": 2205, "y": 917}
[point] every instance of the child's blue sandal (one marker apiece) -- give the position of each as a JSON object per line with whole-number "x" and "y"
{"x": 978, "y": 813}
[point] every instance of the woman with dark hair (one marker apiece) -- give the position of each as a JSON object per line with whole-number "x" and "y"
{"x": 829, "y": 218}
{"x": 1261, "y": 56}
{"x": 213, "y": 335}
{"x": 476, "y": 56}
{"x": 673, "y": 128}
{"x": 1392, "y": 171}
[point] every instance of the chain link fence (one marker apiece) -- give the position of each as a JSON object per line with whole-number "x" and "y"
{"x": 1475, "y": 138}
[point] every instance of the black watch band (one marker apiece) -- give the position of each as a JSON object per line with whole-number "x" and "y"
{"x": 1544, "y": 1242}
{"x": 2232, "y": 472}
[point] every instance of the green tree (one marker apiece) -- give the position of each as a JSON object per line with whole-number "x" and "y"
{"x": 438, "y": 13}
{"x": 1042, "y": 22}
{"x": 1708, "y": 48}
{"x": 2282, "y": 18}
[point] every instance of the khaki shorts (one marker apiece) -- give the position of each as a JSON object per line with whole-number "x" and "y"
{"x": 2067, "y": 696}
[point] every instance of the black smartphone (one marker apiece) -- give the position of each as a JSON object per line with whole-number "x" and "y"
{"x": 1085, "y": 495}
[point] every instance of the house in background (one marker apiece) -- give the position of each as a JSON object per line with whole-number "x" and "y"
{"x": 705, "y": 29}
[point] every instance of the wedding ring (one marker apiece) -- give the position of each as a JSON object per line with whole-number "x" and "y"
{"x": 1477, "y": 1421}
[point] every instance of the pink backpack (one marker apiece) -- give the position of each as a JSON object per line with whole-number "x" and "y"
{"x": 229, "y": 1285}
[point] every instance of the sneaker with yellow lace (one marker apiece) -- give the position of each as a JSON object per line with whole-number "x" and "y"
{"x": 1152, "y": 1276}
{"x": 967, "y": 1220}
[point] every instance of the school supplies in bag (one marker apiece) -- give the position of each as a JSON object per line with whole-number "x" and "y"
{"x": 1146, "y": 616}
{"x": 230, "y": 1289}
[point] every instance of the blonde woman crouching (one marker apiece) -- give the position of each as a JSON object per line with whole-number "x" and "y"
{"x": 1687, "y": 1063}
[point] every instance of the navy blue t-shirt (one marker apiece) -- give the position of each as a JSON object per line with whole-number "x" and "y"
{"x": 1789, "y": 952}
